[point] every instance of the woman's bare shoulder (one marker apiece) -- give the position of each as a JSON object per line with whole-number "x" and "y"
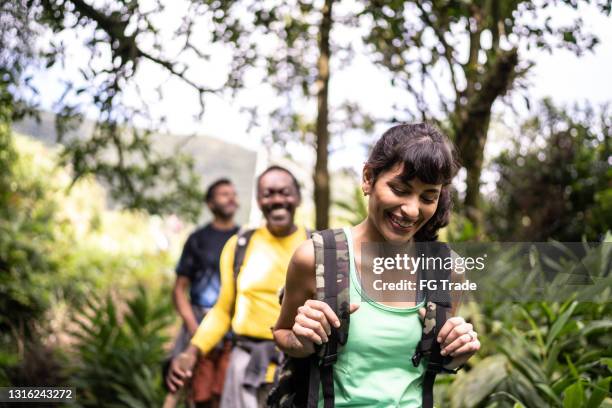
{"x": 301, "y": 271}
{"x": 303, "y": 258}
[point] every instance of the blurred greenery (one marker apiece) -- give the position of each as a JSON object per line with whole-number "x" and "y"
{"x": 537, "y": 353}
{"x": 353, "y": 209}
{"x": 118, "y": 354}
{"x": 61, "y": 248}
{"x": 554, "y": 183}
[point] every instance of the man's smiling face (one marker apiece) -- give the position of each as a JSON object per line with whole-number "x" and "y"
{"x": 278, "y": 198}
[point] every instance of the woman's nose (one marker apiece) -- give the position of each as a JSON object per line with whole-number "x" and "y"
{"x": 410, "y": 208}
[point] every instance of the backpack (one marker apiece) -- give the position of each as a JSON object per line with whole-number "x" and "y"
{"x": 297, "y": 379}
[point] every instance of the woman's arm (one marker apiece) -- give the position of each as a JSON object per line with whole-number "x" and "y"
{"x": 302, "y": 321}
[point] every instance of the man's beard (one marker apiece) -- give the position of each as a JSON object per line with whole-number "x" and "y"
{"x": 221, "y": 213}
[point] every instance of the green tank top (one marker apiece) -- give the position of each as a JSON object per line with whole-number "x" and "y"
{"x": 374, "y": 368}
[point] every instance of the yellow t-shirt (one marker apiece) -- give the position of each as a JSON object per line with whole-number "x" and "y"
{"x": 262, "y": 274}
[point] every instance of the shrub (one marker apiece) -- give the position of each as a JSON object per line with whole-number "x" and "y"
{"x": 119, "y": 353}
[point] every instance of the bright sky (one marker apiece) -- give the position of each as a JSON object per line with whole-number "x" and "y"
{"x": 561, "y": 76}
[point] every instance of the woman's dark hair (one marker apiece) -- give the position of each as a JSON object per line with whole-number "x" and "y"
{"x": 427, "y": 154}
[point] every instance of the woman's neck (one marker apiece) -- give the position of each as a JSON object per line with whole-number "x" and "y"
{"x": 366, "y": 232}
{"x": 361, "y": 233}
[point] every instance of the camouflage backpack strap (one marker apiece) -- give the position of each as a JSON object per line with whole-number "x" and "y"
{"x": 332, "y": 287}
{"x": 332, "y": 276}
{"x": 438, "y": 310}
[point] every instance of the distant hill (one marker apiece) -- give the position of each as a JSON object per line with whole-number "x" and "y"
{"x": 213, "y": 158}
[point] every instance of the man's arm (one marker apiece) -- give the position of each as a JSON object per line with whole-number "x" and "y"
{"x": 218, "y": 321}
{"x": 185, "y": 269}
{"x": 182, "y": 304}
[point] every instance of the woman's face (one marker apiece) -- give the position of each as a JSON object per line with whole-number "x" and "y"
{"x": 398, "y": 209}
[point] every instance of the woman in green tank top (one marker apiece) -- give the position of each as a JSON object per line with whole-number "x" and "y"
{"x": 407, "y": 179}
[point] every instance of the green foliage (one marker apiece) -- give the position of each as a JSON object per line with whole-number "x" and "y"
{"x": 555, "y": 182}
{"x": 460, "y": 229}
{"x": 354, "y": 207}
{"x": 121, "y": 156}
{"x": 556, "y": 358}
{"x": 539, "y": 353}
{"x": 119, "y": 353}
{"x": 58, "y": 245}
{"x": 455, "y": 59}
{"x": 543, "y": 354}
{"x": 26, "y": 235}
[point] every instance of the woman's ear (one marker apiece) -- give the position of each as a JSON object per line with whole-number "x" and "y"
{"x": 367, "y": 180}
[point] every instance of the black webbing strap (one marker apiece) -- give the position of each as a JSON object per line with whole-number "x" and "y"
{"x": 313, "y": 382}
{"x": 428, "y": 382}
{"x": 244, "y": 237}
{"x": 242, "y": 242}
{"x": 331, "y": 298}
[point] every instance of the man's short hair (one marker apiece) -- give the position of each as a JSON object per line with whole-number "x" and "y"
{"x": 280, "y": 168}
{"x": 210, "y": 191}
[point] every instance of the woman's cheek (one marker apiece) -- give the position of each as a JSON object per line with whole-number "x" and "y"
{"x": 429, "y": 211}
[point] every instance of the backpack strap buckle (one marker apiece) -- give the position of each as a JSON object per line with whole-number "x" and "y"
{"x": 435, "y": 366}
{"x": 438, "y": 367}
{"x": 329, "y": 359}
{"x": 416, "y": 358}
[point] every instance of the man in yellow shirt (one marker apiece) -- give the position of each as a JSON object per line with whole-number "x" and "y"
{"x": 250, "y": 304}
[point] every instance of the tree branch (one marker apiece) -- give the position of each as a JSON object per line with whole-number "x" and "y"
{"x": 448, "y": 52}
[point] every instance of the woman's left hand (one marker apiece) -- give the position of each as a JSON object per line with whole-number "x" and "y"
{"x": 458, "y": 339}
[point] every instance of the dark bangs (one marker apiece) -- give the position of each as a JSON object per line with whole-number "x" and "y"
{"x": 427, "y": 154}
{"x": 431, "y": 162}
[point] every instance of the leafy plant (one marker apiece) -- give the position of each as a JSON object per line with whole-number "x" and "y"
{"x": 119, "y": 352}
{"x": 555, "y": 353}
{"x": 554, "y": 182}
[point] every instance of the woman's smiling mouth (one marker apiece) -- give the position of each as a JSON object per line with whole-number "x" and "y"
{"x": 402, "y": 224}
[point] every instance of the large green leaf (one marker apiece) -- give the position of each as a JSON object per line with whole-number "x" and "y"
{"x": 473, "y": 387}
{"x": 574, "y": 396}
{"x": 600, "y": 391}
{"x": 559, "y": 324}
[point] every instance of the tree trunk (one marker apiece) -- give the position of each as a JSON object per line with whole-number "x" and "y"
{"x": 472, "y": 155}
{"x": 321, "y": 174}
{"x": 473, "y": 125}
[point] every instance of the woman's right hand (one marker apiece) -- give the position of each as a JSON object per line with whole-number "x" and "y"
{"x": 313, "y": 323}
